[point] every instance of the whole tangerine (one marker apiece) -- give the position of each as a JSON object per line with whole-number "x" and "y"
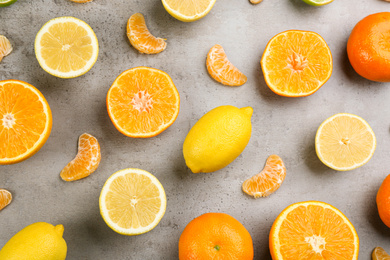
{"x": 369, "y": 47}
{"x": 216, "y": 236}
{"x": 383, "y": 201}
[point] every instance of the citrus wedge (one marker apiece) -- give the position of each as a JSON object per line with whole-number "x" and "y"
{"x": 132, "y": 202}
{"x": 142, "y": 102}
{"x": 296, "y": 63}
{"x": 268, "y": 180}
{"x": 4, "y": 3}
{"x": 221, "y": 69}
{"x": 66, "y": 47}
{"x": 5, "y": 198}
{"x": 5, "y": 47}
{"x": 380, "y": 254}
{"x": 140, "y": 37}
{"x": 25, "y": 121}
{"x": 317, "y": 2}
{"x": 188, "y": 10}
{"x": 345, "y": 142}
{"x": 313, "y": 230}
{"x": 87, "y": 159}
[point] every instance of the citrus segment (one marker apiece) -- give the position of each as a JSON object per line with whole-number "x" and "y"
{"x": 142, "y": 102}
{"x": 188, "y": 10}
{"x": 132, "y": 202}
{"x": 87, "y": 159}
{"x": 25, "y": 121}
{"x": 140, "y": 37}
{"x": 66, "y": 47}
{"x": 296, "y": 63}
{"x": 345, "y": 142}
{"x": 268, "y": 180}
{"x": 221, "y": 69}
{"x": 5, "y": 47}
{"x": 313, "y": 230}
{"x": 5, "y": 198}
{"x": 380, "y": 254}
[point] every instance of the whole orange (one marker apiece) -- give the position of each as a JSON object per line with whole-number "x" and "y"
{"x": 369, "y": 47}
{"x": 383, "y": 201}
{"x": 216, "y": 236}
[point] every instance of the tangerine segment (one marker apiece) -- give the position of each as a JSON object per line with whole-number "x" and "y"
{"x": 142, "y": 102}
{"x": 221, "y": 69}
{"x": 296, "y": 63}
{"x": 313, "y": 230}
{"x": 140, "y": 37}
{"x": 5, "y": 198}
{"x": 87, "y": 159}
{"x": 268, "y": 180}
{"x": 5, "y": 47}
{"x": 380, "y": 254}
{"x": 25, "y": 121}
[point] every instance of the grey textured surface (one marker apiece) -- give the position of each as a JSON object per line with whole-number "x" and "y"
{"x": 283, "y": 126}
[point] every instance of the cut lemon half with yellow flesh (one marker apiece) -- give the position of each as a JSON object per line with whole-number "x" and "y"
{"x": 132, "y": 202}
{"x": 345, "y": 142}
{"x": 188, "y": 10}
{"x": 66, "y": 47}
{"x": 313, "y": 230}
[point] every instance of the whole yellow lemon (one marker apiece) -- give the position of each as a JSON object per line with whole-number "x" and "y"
{"x": 38, "y": 241}
{"x": 217, "y": 138}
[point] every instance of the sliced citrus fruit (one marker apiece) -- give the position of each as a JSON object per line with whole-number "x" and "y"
{"x": 25, "y": 121}
{"x": 313, "y": 230}
{"x": 345, "y": 142}
{"x": 317, "y": 2}
{"x": 255, "y": 2}
{"x": 268, "y": 180}
{"x": 142, "y": 102}
{"x": 4, "y": 3}
{"x": 5, "y": 198}
{"x": 380, "y": 254}
{"x": 188, "y": 10}
{"x": 132, "y": 202}
{"x": 221, "y": 69}
{"x": 66, "y": 47}
{"x": 5, "y": 47}
{"x": 87, "y": 159}
{"x": 296, "y": 63}
{"x": 140, "y": 37}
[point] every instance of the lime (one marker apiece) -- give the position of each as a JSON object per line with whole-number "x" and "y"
{"x": 4, "y": 3}
{"x": 317, "y": 2}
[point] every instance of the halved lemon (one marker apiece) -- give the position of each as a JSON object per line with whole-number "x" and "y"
{"x": 188, "y": 10}
{"x": 132, "y": 202}
{"x": 66, "y": 47}
{"x": 345, "y": 142}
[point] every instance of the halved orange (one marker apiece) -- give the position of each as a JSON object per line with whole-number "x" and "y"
{"x": 143, "y": 102}
{"x": 221, "y": 69}
{"x": 5, "y": 198}
{"x": 296, "y": 63}
{"x": 313, "y": 230}
{"x": 268, "y": 180}
{"x": 25, "y": 121}
{"x": 5, "y": 47}
{"x": 140, "y": 37}
{"x": 87, "y": 159}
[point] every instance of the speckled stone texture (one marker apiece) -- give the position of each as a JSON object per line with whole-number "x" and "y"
{"x": 283, "y": 126}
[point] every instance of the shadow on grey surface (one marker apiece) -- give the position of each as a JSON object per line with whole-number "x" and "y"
{"x": 311, "y": 159}
{"x": 262, "y": 87}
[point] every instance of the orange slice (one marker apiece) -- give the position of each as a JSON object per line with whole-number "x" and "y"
{"x": 142, "y": 102}
{"x": 87, "y": 159}
{"x": 296, "y": 63}
{"x": 380, "y": 254}
{"x": 268, "y": 180}
{"x": 5, "y": 47}
{"x": 140, "y": 37}
{"x": 313, "y": 230}
{"x": 5, "y": 198}
{"x": 25, "y": 121}
{"x": 221, "y": 69}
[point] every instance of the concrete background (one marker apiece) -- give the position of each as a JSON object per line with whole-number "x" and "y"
{"x": 283, "y": 126}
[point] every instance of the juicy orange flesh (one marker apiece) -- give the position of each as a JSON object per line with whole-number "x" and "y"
{"x": 268, "y": 180}
{"x": 297, "y": 62}
{"x": 133, "y": 201}
{"x": 66, "y": 47}
{"x": 345, "y": 141}
{"x": 221, "y": 69}
{"x": 141, "y": 38}
{"x": 315, "y": 232}
{"x": 87, "y": 159}
{"x": 189, "y": 7}
{"x": 5, "y": 198}
{"x": 22, "y": 120}
{"x": 143, "y": 101}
